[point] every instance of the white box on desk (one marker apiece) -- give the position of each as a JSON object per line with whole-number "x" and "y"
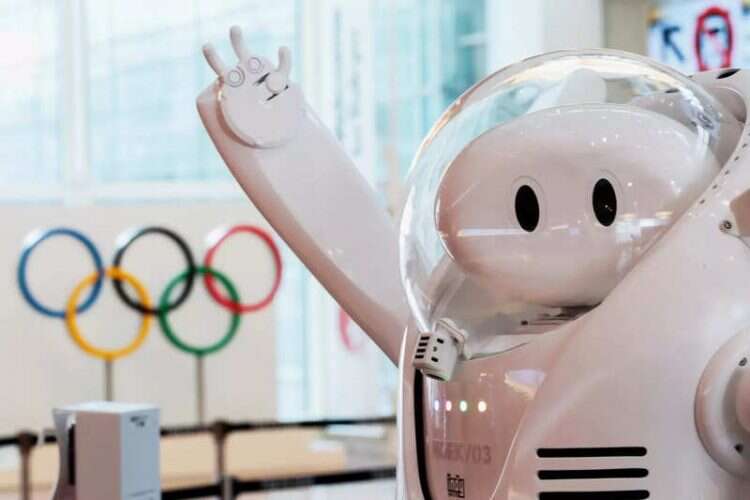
{"x": 117, "y": 452}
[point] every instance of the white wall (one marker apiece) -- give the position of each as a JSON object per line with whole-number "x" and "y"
{"x": 519, "y": 29}
{"x": 573, "y": 24}
{"x": 626, "y": 24}
{"x": 41, "y": 368}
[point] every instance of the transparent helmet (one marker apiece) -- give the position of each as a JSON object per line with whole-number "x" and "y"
{"x": 540, "y": 188}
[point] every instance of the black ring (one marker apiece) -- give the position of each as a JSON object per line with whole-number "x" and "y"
{"x": 186, "y": 252}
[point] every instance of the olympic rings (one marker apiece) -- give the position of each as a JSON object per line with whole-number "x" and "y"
{"x": 184, "y": 248}
{"x": 142, "y": 302}
{"x": 345, "y": 322}
{"x": 167, "y": 328}
{"x": 235, "y": 305}
{"x": 71, "y": 316}
{"x": 29, "y": 247}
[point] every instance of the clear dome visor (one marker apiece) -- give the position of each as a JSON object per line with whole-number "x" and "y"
{"x": 541, "y": 187}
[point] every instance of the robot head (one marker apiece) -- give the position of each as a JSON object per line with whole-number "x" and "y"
{"x": 554, "y": 207}
{"x": 541, "y": 187}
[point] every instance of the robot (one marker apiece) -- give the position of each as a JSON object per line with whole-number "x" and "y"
{"x": 567, "y": 295}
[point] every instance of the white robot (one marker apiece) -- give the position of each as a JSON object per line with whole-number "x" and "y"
{"x": 568, "y": 296}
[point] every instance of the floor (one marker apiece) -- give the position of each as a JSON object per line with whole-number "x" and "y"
{"x": 373, "y": 490}
{"x": 352, "y": 453}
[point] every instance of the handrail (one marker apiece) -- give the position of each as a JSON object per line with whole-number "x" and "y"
{"x": 26, "y": 441}
{"x": 238, "y": 486}
{"x": 26, "y": 438}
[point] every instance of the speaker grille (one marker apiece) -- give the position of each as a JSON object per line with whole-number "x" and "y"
{"x": 581, "y": 475}
{"x": 627, "y": 451}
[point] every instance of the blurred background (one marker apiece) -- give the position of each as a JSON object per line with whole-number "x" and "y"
{"x": 99, "y": 132}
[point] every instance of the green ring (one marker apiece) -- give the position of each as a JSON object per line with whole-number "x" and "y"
{"x": 163, "y": 312}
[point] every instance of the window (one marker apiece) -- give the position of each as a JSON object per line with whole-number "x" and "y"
{"x": 98, "y": 99}
{"x": 292, "y": 337}
{"x": 29, "y": 95}
{"x": 144, "y": 74}
{"x": 133, "y": 78}
{"x": 428, "y": 55}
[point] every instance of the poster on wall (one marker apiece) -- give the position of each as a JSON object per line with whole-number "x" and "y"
{"x": 701, "y": 35}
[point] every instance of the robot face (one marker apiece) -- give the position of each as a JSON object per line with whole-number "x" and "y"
{"x": 555, "y": 207}
{"x": 542, "y": 186}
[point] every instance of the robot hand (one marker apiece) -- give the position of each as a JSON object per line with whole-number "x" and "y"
{"x": 259, "y": 104}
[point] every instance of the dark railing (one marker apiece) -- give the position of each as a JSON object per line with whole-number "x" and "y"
{"x": 225, "y": 487}
{"x": 230, "y": 487}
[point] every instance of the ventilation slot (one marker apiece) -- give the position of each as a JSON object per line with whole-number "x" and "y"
{"x": 557, "y": 475}
{"x": 582, "y": 475}
{"x": 595, "y": 495}
{"x": 632, "y": 451}
{"x": 422, "y": 347}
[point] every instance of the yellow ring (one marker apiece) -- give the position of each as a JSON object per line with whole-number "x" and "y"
{"x": 71, "y": 316}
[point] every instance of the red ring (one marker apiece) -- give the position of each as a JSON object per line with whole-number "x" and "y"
{"x": 346, "y": 338}
{"x": 211, "y": 284}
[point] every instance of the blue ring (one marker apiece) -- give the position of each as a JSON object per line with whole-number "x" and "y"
{"x": 26, "y": 253}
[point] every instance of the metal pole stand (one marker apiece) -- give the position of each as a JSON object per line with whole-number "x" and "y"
{"x": 220, "y": 431}
{"x": 200, "y": 389}
{"x": 26, "y": 443}
{"x": 227, "y": 488}
{"x": 109, "y": 391}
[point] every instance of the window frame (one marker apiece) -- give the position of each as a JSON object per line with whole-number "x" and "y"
{"x": 76, "y": 182}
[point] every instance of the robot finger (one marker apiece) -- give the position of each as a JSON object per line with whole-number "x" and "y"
{"x": 214, "y": 60}
{"x": 285, "y": 61}
{"x": 279, "y": 79}
{"x": 238, "y": 44}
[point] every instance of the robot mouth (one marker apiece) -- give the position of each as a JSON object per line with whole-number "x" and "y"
{"x": 571, "y": 483}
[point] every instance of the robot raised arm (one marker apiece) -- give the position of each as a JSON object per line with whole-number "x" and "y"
{"x": 301, "y": 180}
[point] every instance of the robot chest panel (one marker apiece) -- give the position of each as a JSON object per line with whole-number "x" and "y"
{"x": 468, "y": 425}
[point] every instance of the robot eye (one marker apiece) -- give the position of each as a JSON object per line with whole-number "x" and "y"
{"x": 527, "y": 208}
{"x": 604, "y": 201}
